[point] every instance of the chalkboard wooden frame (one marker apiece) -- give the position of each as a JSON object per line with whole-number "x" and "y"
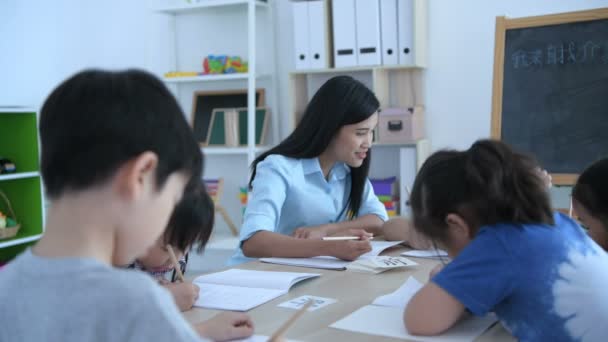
{"x": 502, "y": 25}
{"x": 204, "y": 102}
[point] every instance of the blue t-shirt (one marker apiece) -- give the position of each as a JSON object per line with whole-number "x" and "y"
{"x": 289, "y": 193}
{"x": 545, "y": 283}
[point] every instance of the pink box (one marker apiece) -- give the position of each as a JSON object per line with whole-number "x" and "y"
{"x": 400, "y": 125}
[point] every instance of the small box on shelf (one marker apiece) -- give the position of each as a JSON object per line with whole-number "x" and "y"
{"x": 400, "y": 125}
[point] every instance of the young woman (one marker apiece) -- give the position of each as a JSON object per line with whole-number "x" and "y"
{"x": 314, "y": 183}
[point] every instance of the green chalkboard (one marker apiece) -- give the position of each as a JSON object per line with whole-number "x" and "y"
{"x": 217, "y": 134}
{"x": 551, "y": 89}
{"x": 261, "y": 120}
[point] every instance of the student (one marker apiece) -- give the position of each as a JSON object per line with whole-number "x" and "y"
{"x": 314, "y": 183}
{"x": 116, "y": 156}
{"x": 537, "y": 270}
{"x": 191, "y": 223}
{"x": 590, "y": 201}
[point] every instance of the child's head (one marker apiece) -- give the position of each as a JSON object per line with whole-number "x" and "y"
{"x": 457, "y": 192}
{"x": 590, "y": 201}
{"x": 191, "y": 224}
{"x": 337, "y": 122}
{"x": 120, "y": 137}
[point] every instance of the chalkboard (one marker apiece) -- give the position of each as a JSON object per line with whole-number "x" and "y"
{"x": 204, "y": 102}
{"x": 552, "y": 97}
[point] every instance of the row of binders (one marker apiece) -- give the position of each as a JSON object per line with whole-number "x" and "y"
{"x": 365, "y": 32}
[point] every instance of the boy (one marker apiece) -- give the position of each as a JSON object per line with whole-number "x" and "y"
{"x": 116, "y": 156}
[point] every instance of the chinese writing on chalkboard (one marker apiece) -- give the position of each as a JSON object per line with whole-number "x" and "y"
{"x": 589, "y": 52}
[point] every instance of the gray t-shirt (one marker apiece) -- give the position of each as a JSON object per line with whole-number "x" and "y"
{"x": 79, "y": 299}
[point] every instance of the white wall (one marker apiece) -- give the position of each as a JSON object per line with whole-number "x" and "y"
{"x": 43, "y": 42}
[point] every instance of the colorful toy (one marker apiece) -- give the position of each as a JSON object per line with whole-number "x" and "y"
{"x": 214, "y": 64}
{"x": 7, "y": 166}
{"x": 235, "y": 65}
{"x": 223, "y": 64}
{"x": 6, "y": 222}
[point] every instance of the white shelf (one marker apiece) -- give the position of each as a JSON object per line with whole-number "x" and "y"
{"x": 203, "y": 4}
{"x": 355, "y": 69}
{"x": 16, "y": 110}
{"x": 19, "y": 241}
{"x": 19, "y": 175}
{"x": 210, "y": 78}
{"x": 221, "y": 150}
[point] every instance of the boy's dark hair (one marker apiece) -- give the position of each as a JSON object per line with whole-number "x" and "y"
{"x": 591, "y": 190}
{"x": 192, "y": 220}
{"x": 96, "y": 120}
{"x": 341, "y": 101}
{"x": 487, "y": 184}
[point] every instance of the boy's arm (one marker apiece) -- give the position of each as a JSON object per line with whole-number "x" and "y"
{"x": 432, "y": 311}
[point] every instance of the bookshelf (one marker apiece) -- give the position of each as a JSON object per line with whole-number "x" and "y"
{"x": 19, "y": 143}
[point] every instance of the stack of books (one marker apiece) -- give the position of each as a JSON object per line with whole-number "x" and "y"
{"x": 386, "y": 190}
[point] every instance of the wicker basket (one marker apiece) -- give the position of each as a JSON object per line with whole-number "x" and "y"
{"x": 6, "y": 233}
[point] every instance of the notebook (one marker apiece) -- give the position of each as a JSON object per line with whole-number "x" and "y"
{"x": 329, "y": 262}
{"x": 243, "y": 290}
{"x": 379, "y": 264}
{"x": 429, "y": 254}
{"x": 384, "y": 317}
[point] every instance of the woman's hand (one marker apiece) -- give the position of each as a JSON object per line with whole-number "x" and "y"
{"x": 313, "y": 232}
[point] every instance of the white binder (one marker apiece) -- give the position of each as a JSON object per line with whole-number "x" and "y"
{"x": 368, "y": 32}
{"x": 405, "y": 28}
{"x": 388, "y": 32}
{"x": 301, "y": 34}
{"x": 345, "y": 43}
{"x": 318, "y": 48}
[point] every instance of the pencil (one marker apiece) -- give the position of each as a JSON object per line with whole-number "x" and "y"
{"x": 276, "y": 337}
{"x": 570, "y": 210}
{"x": 343, "y": 238}
{"x": 178, "y": 269}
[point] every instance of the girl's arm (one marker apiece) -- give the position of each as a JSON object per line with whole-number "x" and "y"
{"x": 432, "y": 311}
{"x": 269, "y": 244}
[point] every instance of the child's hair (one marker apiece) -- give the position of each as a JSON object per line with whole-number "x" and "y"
{"x": 340, "y": 101}
{"x": 192, "y": 220}
{"x": 487, "y": 184}
{"x": 591, "y": 190}
{"x": 97, "y": 120}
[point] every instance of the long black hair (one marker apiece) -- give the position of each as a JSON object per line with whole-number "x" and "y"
{"x": 192, "y": 219}
{"x": 487, "y": 184}
{"x": 341, "y": 101}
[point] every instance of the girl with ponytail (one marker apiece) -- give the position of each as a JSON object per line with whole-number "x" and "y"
{"x": 512, "y": 254}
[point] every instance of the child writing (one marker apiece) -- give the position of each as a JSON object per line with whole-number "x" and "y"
{"x": 116, "y": 155}
{"x": 590, "y": 201}
{"x": 191, "y": 223}
{"x": 314, "y": 183}
{"x": 537, "y": 270}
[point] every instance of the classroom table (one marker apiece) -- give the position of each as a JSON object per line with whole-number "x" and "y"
{"x": 351, "y": 290}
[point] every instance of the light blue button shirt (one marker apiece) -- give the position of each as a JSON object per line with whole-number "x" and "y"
{"x": 290, "y": 193}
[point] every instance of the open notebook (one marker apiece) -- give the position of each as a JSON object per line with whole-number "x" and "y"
{"x": 242, "y": 290}
{"x": 329, "y": 262}
{"x": 384, "y": 317}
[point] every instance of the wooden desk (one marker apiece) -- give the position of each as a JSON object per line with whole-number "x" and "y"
{"x": 352, "y": 290}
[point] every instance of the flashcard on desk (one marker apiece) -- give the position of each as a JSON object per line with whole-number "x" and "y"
{"x": 318, "y": 302}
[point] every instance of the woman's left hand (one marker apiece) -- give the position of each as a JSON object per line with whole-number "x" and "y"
{"x": 313, "y": 232}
